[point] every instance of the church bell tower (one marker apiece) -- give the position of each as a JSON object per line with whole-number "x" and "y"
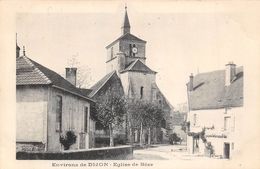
{"x": 125, "y": 49}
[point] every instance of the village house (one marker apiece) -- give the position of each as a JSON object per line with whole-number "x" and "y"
{"x": 215, "y": 102}
{"x": 47, "y": 105}
{"x": 126, "y": 62}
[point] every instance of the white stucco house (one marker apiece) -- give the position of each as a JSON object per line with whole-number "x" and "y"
{"x": 215, "y": 102}
{"x": 47, "y": 105}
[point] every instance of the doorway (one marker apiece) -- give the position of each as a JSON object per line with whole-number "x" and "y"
{"x": 226, "y": 150}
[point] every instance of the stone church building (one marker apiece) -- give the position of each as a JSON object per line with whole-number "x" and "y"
{"x": 126, "y": 62}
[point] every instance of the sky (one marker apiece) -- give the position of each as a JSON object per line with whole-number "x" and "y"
{"x": 178, "y": 42}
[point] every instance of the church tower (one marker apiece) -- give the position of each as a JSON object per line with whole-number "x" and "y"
{"x": 126, "y": 55}
{"x": 126, "y": 61}
{"x": 125, "y": 49}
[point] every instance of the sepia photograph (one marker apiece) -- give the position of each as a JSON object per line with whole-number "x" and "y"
{"x": 134, "y": 84}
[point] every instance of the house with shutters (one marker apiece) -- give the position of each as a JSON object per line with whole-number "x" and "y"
{"x": 215, "y": 101}
{"x": 47, "y": 105}
{"x": 126, "y": 69}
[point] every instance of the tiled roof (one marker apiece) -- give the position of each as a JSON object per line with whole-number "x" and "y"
{"x": 165, "y": 102}
{"x": 29, "y": 72}
{"x": 127, "y": 36}
{"x": 210, "y": 91}
{"x": 138, "y": 66}
{"x": 95, "y": 88}
{"x": 85, "y": 91}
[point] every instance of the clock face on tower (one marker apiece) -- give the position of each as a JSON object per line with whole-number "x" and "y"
{"x": 134, "y": 50}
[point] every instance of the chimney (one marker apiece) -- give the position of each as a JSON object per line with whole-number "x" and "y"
{"x": 71, "y": 75}
{"x": 190, "y": 87}
{"x": 230, "y": 73}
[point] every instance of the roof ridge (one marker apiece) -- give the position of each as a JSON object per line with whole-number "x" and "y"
{"x": 37, "y": 69}
{"x": 166, "y": 100}
{"x": 120, "y": 37}
{"x": 110, "y": 75}
{"x": 131, "y": 66}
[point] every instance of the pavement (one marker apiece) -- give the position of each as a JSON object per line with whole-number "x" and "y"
{"x": 167, "y": 152}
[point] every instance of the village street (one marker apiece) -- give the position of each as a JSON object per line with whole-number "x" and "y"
{"x": 167, "y": 152}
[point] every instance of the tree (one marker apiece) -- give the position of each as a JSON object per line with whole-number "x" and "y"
{"x": 145, "y": 115}
{"x": 83, "y": 72}
{"x": 111, "y": 110}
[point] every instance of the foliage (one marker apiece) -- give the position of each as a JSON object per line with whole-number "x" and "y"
{"x": 144, "y": 114}
{"x": 111, "y": 109}
{"x": 208, "y": 146}
{"x": 173, "y": 139}
{"x": 68, "y": 139}
{"x": 185, "y": 126}
{"x": 148, "y": 114}
{"x": 83, "y": 72}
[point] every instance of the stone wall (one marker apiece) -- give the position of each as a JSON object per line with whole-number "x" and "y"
{"x": 108, "y": 153}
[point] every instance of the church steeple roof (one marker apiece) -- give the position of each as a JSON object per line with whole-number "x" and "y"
{"x": 17, "y": 48}
{"x": 126, "y": 24}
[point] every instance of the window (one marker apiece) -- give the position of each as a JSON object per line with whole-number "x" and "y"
{"x": 195, "y": 119}
{"x": 130, "y": 49}
{"x": 58, "y": 113}
{"x": 86, "y": 119}
{"x": 226, "y": 123}
{"x": 141, "y": 92}
{"x": 112, "y": 52}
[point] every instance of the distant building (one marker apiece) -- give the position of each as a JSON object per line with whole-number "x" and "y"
{"x": 47, "y": 106}
{"x": 216, "y": 107}
{"x": 178, "y": 120}
{"x": 126, "y": 60}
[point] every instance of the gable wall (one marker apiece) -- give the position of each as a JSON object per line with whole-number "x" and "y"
{"x": 116, "y": 86}
{"x": 31, "y": 114}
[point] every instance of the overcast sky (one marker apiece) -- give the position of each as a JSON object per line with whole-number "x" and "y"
{"x": 178, "y": 43}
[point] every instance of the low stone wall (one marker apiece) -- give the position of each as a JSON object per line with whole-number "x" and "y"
{"x": 107, "y": 153}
